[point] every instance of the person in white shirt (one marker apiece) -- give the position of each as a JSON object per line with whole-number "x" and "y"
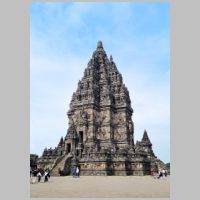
{"x": 163, "y": 173}
{"x": 46, "y": 175}
{"x": 39, "y": 175}
{"x": 77, "y": 171}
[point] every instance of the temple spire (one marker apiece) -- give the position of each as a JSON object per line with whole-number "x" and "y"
{"x": 145, "y": 137}
{"x": 99, "y": 45}
{"x": 61, "y": 141}
{"x": 99, "y": 52}
{"x": 111, "y": 58}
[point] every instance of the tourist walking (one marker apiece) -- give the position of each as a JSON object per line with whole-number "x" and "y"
{"x": 160, "y": 175}
{"x": 74, "y": 172}
{"x": 33, "y": 176}
{"x": 163, "y": 173}
{"x": 77, "y": 171}
{"x": 46, "y": 175}
{"x": 39, "y": 175}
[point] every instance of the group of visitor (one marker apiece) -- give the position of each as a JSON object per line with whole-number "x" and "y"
{"x": 75, "y": 172}
{"x": 162, "y": 174}
{"x": 37, "y": 174}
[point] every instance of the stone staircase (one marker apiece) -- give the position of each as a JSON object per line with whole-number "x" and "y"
{"x": 60, "y": 163}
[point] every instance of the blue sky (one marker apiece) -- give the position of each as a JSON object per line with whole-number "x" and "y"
{"x": 63, "y": 37}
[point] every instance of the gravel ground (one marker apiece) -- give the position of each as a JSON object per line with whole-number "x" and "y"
{"x": 102, "y": 187}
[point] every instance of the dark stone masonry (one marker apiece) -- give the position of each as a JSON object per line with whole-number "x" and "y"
{"x": 100, "y": 137}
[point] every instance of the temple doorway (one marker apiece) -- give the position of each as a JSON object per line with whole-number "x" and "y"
{"x": 81, "y": 136}
{"x": 68, "y": 147}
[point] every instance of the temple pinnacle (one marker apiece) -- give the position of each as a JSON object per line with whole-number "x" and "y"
{"x": 100, "y": 45}
{"x": 111, "y": 58}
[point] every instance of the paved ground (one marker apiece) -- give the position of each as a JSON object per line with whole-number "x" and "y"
{"x": 102, "y": 187}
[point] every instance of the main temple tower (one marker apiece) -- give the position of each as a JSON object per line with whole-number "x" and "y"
{"x": 100, "y": 109}
{"x": 100, "y": 137}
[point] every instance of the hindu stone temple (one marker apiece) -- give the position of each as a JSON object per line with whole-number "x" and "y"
{"x": 100, "y": 135}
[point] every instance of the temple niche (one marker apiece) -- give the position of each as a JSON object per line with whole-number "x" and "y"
{"x": 100, "y": 137}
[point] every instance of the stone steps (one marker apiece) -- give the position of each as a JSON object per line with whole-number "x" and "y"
{"x": 61, "y": 164}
